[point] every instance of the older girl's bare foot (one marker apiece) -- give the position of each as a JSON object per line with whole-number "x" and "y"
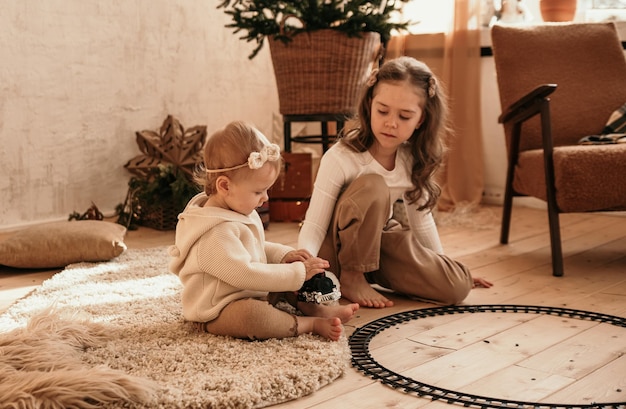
{"x": 343, "y": 312}
{"x": 355, "y": 288}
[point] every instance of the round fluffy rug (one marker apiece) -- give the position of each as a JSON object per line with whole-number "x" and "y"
{"x": 124, "y": 316}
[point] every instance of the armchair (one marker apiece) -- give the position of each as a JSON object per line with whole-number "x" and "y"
{"x": 559, "y": 83}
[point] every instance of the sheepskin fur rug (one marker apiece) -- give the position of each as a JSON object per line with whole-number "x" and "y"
{"x": 40, "y": 367}
{"x": 112, "y": 335}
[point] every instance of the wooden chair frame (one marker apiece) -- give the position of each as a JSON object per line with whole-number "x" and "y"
{"x": 537, "y": 102}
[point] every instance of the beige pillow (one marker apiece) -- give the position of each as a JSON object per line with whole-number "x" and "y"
{"x": 61, "y": 243}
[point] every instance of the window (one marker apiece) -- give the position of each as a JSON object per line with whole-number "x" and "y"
{"x": 430, "y": 16}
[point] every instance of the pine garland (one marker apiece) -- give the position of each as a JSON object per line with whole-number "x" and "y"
{"x": 285, "y": 18}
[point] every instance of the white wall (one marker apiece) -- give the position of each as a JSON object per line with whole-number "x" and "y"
{"x": 79, "y": 77}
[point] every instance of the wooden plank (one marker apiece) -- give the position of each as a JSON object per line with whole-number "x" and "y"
{"x": 581, "y": 354}
{"x": 509, "y": 288}
{"x": 404, "y": 354}
{"x": 366, "y": 315}
{"x": 507, "y": 348}
{"x": 438, "y": 404}
{"x": 577, "y": 285}
{"x": 531, "y": 251}
{"x": 519, "y": 384}
{"x": 469, "y": 329}
{"x": 373, "y": 396}
{"x": 586, "y": 272}
{"x": 606, "y": 303}
{"x": 605, "y": 385}
{"x": 410, "y": 329}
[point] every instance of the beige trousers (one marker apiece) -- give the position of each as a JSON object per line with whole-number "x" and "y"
{"x": 254, "y": 319}
{"x": 361, "y": 238}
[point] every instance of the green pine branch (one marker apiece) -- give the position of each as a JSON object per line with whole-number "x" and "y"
{"x": 258, "y": 19}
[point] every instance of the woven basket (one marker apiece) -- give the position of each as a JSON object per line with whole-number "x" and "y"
{"x": 159, "y": 216}
{"x": 322, "y": 71}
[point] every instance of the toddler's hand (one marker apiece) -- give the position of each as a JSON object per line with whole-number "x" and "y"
{"x": 297, "y": 255}
{"x": 315, "y": 265}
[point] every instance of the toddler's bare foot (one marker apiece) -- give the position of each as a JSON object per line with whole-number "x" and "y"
{"x": 355, "y": 288}
{"x": 343, "y": 312}
{"x": 328, "y": 328}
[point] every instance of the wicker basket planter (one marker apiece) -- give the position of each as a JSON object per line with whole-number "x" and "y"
{"x": 159, "y": 216}
{"x": 162, "y": 183}
{"x": 323, "y": 71}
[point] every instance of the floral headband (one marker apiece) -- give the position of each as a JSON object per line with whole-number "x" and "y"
{"x": 432, "y": 87}
{"x": 256, "y": 160}
{"x": 432, "y": 83}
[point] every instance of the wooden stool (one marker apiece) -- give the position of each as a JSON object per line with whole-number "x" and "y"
{"x": 325, "y": 139}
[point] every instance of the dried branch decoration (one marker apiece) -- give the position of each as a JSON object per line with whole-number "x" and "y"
{"x": 172, "y": 145}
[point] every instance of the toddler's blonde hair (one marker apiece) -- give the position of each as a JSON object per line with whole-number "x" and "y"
{"x": 229, "y": 147}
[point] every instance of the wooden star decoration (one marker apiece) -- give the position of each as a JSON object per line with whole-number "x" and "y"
{"x": 171, "y": 145}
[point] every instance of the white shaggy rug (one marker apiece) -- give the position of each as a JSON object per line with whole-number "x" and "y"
{"x": 115, "y": 337}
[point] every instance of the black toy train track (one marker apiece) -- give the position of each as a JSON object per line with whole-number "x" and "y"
{"x": 362, "y": 360}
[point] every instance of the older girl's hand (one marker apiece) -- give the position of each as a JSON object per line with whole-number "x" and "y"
{"x": 297, "y": 255}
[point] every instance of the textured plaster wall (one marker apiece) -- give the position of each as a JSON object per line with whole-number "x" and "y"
{"x": 79, "y": 77}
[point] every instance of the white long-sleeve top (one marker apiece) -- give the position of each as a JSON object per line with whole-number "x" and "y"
{"x": 221, "y": 256}
{"x": 339, "y": 166}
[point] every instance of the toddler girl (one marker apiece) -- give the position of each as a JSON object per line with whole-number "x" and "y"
{"x": 227, "y": 268}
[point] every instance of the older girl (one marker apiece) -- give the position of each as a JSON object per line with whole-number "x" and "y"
{"x": 390, "y": 155}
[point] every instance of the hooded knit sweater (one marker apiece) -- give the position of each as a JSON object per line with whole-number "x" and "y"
{"x": 221, "y": 256}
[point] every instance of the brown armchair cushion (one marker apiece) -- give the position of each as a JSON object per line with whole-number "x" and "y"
{"x": 575, "y": 168}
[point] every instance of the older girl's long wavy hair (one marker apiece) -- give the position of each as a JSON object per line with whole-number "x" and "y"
{"x": 426, "y": 144}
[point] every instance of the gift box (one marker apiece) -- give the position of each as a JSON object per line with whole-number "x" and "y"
{"x": 295, "y": 180}
{"x": 290, "y": 194}
{"x": 288, "y": 210}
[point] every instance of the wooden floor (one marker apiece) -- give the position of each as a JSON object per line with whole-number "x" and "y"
{"x": 523, "y": 357}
